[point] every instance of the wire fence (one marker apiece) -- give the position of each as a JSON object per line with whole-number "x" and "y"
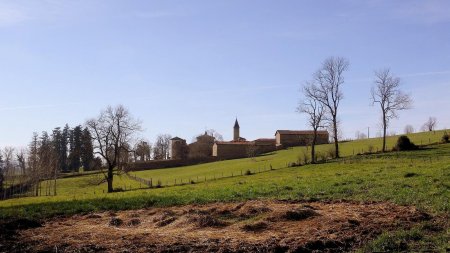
{"x": 161, "y": 182}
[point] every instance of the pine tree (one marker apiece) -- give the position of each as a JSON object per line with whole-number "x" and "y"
{"x": 57, "y": 148}
{"x": 33, "y": 161}
{"x": 75, "y": 149}
{"x": 63, "y": 148}
{"x": 44, "y": 152}
{"x": 87, "y": 149}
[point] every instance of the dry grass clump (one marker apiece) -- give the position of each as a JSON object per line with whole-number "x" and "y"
{"x": 300, "y": 213}
{"x": 93, "y": 216}
{"x": 166, "y": 218}
{"x": 205, "y": 220}
{"x": 116, "y": 222}
{"x": 252, "y": 209}
{"x": 133, "y": 222}
{"x": 294, "y": 214}
{"x": 255, "y": 227}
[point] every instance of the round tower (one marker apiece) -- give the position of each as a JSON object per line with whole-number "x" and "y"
{"x": 236, "y": 131}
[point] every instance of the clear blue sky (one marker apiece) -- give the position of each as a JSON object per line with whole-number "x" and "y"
{"x": 181, "y": 66}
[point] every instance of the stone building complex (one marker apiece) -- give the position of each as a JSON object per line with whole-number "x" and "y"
{"x": 206, "y": 146}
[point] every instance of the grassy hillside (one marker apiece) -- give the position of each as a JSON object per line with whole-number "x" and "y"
{"x": 274, "y": 160}
{"x": 370, "y": 177}
{"x": 420, "y": 178}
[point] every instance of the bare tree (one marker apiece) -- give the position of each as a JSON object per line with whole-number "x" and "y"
{"x": 111, "y": 131}
{"x": 161, "y": 147}
{"x": 8, "y": 166}
{"x": 315, "y": 112}
{"x": 143, "y": 150}
{"x": 326, "y": 89}
{"x": 217, "y": 136}
{"x": 430, "y": 124}
{"x": 409, "y": 129}
{"x": 387, "y": 94}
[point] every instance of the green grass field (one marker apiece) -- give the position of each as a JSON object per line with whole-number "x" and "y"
{"x": 420, "y": 178}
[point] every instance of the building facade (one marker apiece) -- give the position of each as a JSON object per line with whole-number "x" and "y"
{"x": 291, "y": 138}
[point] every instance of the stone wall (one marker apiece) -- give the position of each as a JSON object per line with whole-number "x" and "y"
{"x": 233, "y": 150}
{"x": 224, "y": 151}
{"x": 291, "y": 140}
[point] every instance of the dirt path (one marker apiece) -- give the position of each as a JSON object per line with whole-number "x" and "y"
{"x": 248, "y": 226}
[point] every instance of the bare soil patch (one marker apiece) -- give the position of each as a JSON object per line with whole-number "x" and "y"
{"x": 275, "y": 226}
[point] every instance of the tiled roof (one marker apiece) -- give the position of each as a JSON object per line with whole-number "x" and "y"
{"x": 176, "y": 138}
{"x": 297, "y": 132}
{"x": 265, "y": 139}
{"x": 234, "y": 142}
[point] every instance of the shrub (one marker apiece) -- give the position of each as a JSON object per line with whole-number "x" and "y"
{"x": 331, "y": 152}
{"x": 321, "y": 156}
{"x": 411, "y": 174}
{"x": 305, "y": 156}
{"x": 445, "y": 137}
{"x": 248, "y": 172}
{"x": 403, "y": 143}
{"x": 370, "y": 148}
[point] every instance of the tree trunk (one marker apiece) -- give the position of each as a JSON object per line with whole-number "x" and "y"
{"x": 54, "y": 190}
{"x": 336, "y": 143}
{"x": 384, "y": 132}
{"x": 313, "y": 148}
{"x": 110, "y": 180}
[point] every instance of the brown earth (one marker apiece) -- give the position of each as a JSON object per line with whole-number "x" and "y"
{"x": 252, "y": 226}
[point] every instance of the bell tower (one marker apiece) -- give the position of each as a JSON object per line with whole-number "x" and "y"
{"x": 236, "y": 131}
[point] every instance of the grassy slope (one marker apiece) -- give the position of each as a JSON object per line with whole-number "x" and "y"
{"x": 277, "y": 160}
{"x": 420, "y": 178}
{"x": 356, "y": 179}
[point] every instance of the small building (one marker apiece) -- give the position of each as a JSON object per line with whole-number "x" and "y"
{"x": 265, "y": 145}
{"x": 231, "y": 149}
{"x": 178, "y": 148}
{"x": 291, "y": 138}
{"x": 202, "y": 147}
{"x": 239, "y": 147}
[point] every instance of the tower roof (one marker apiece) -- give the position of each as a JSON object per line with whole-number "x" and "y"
{"x": 236, "y": 124}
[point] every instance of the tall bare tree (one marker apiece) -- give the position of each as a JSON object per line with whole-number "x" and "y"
{"x": 217, "y": 136}
{"x": 143, "y": 149}
{"x": 430, "y": 124}
{"x": 161, "y": 147}
{"x": 387, "y": 94}
{"x": 21, "y": 160}
{"x": 315, "y": 112}
{"x": 112, "y": 131}
{"x": 326, "y": 89}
